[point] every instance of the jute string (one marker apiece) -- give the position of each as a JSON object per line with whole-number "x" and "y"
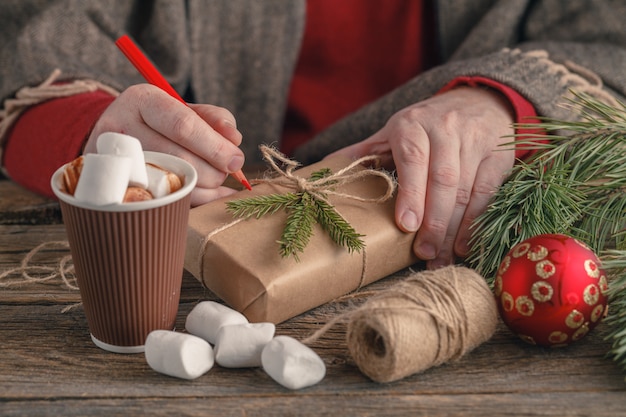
{"x": 29, "y": 273}
{"x": 324, "y": 186}
{"x": 29, "y": 96}
{"x": 429, "y": 318}
{"x": 319, "y": 188}
{"x": 63, "y": 272}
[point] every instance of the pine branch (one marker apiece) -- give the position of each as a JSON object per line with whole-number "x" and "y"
{"x": 261, "y": 205}
{"x": 614, "y": 263}
{"x": 303, "y": 209}
{"x": 299, "y": 227}
{"x": 575, "y": 184}
{"x": 340, "y": 231}
{"x": 536, "y": 199}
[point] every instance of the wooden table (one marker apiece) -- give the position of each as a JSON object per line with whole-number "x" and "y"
{"x": 49, "y": 366}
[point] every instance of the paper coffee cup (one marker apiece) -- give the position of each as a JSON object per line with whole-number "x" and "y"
{"x": 128, "y": 259}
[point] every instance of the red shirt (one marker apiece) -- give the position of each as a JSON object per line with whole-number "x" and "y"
{"x": 351, "y": 55}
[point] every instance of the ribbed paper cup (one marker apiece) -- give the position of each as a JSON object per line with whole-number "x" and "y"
{"x": 128, "y": 259}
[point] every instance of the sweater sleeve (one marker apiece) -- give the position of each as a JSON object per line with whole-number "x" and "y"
{"x": 48, "y": 135}
{"x": 524, "y": 111}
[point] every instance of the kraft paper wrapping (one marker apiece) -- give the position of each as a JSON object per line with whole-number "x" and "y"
{"x": 240, "y": 261}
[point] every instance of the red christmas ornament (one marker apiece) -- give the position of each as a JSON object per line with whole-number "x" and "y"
{"x": 551, "y": 290}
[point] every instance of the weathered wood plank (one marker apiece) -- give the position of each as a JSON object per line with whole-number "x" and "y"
{"x": 500, "y": 404}
{"x": 40, "y": 344}
{"x": 49, "y": 366}
{"x": 16, "y": 241}
{"x": 20, "y": 206}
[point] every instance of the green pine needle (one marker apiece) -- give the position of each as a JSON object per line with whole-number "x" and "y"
{"x": 340, "y": 231}
{"x": 575, "y": 184}
{"x": 262, "y": 205}
{"x": 303, "y": 211}
{"x": 299, "y": 227}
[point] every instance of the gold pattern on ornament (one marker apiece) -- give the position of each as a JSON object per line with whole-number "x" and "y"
{"x": 603, "y": 284}
{"x": 504, "y": 265}
{"x": 580, "y": 333}
{"x": 557, "y": 337}
{"x": 541, "y": 291}
{"x": 497, "y": 285}
{"x": 592, "y": 268}
{"x": 574, "y": 319}
{"x": 521, "y": 249}
{"x": 582, "y": 244}
{"x": 545, "y": 269}
{"x": 597, "y": 313}
{"x": 537, "y": 253}
{"x": 507, "y": 301}
{"x": 591, "y": 294}
{"x": 524, "y": 305}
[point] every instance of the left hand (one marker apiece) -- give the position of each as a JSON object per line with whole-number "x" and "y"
{"x": 444, "y": 152}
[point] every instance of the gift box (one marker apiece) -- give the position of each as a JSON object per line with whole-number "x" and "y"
{"x": 239, "y": 259}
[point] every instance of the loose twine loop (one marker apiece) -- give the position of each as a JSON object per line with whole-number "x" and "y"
{"x": 427, "y": 319}
{"x": 61, "y": 273}
{"x": 64, "y": 270}
{"x": 321, "y": 187}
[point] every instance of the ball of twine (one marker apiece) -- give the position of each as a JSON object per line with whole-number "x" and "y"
{"x": 429, "y": 318}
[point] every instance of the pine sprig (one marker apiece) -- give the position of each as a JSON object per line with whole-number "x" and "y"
{"x": 303, "y": 210}
{"x": 575, "y": 184}
{"x": 299, "y": 227}
{"x": 614, "y": 263}
{"x": 261, "y": 205}
{"x": 339, "y": 230}
{"x": 534, "y": 200}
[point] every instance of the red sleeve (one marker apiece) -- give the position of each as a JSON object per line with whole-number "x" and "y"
{"x": 524, "y": 110}
{"x": 48, "y": 135}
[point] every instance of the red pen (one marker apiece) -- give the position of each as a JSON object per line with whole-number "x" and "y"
{"x": 154, "y": 77}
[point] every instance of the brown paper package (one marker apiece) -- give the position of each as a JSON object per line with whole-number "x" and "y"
{"x": 242, "y": 265}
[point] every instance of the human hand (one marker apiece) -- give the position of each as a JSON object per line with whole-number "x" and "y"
{"x": 444, "y": 151}
{"x": 204, "y": 135}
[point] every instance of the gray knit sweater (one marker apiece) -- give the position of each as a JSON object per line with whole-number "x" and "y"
{"x": 241, "y": 54}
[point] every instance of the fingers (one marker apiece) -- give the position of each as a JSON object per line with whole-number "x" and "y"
{"x": 204, "y": 135}
{"x": 490, "y": 174}
{"x": 208, "y": 175}
{"x": 447, "y": 167}
{"x": 183, "y": 126}
{"x": 459, "y": 224}
{"x": 221, "y": 120}
{"x": 440, "y": 202}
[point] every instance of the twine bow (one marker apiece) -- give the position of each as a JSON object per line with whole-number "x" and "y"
{"x": 309, "y": 203}
{"x": 325, "y": 185}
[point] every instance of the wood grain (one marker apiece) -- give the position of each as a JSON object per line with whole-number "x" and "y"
{"x": 20, "y": 206}
{"x": 49, "y": 366}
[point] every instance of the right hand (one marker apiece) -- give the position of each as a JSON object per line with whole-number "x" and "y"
{"x": 204, "y": 135}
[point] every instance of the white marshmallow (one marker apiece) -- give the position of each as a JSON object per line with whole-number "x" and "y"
{"x": 112, "y": 143}
{"x": 103, "y": 179}
{"x": 291, "y": 363}
{"x": 208, "y": 317}
{"x": 240, "y": 345}
{"x": 161, "y": 182}
{"x": 179, "y": 355}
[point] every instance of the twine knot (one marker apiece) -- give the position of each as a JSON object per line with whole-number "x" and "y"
{"x": 325, "y": 185}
